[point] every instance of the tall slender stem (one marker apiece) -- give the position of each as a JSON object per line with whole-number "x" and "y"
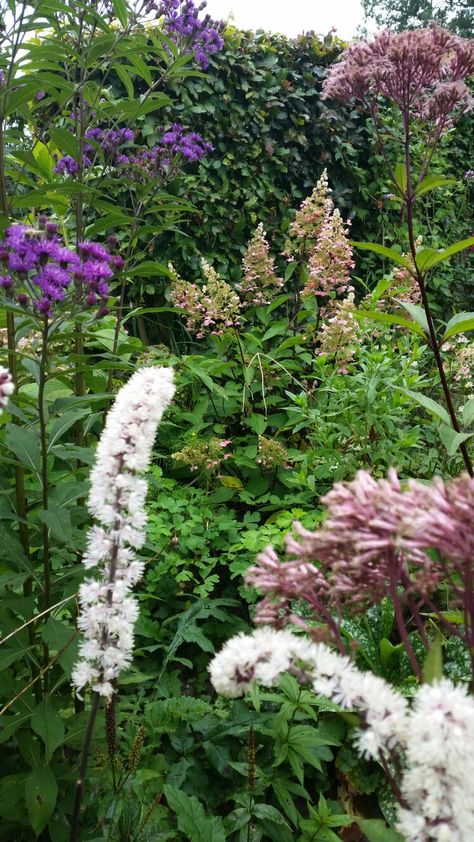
{"x": 42, "y": 415}
{"x": 74, "y": 835}
{"x": 409, "y": 200}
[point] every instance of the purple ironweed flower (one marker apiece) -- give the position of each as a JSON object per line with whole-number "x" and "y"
{"x": 182, "y": 24}
{"x": 190, "y": 145}
{"x": 41, "y": 269}
{"x": 469, "y": 175}
{"x": 39, "y": 95}
{"x": 421, "y": 70}
{"x": 66, "y": 166}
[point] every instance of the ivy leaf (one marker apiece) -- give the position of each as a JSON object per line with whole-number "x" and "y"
{"x": 41, "y": 792}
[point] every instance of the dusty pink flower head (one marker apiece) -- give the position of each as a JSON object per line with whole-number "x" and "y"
{"x": 259, "y": 282}
{"x": 447, "y": 524}
{"x": 210, "y": 309}
{"x": 421, "y": 70}
{"x": 331, "y": 259}
{"x": 309, "y": 218}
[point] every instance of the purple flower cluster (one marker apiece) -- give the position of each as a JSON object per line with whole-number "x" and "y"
{"x": 175, "y": 143}
{"x": 189, "y": 145}
{"x": 37, "y": 269}
{"x": 183, "y": 25}
{"x": 108, "y": 140}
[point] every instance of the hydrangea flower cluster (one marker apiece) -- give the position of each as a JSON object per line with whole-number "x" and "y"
{"x": 182, "y": 24}
{"x": 271, "y": 454}
{"x": 117, "y": 501}
{"x": 461, "y": 361}
{"x": 339, "y": 333}
{"x": 259, "y": 282}
{"x": 422, "y": 71}
{"x": 205, "y": 456}
{"x": 38, "y": 270}
{"x": 212, "y": 308}
{"x": 7, "y": 387}
{"x": 304, "y": 230}
{"x": 331, "y": 259}
{"x": 432, "y": 739}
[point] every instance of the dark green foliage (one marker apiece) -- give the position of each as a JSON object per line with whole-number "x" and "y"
{"x": 457, "y": 15}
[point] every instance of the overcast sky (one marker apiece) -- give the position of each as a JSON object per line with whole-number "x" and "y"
{"x": 291, "y": 16}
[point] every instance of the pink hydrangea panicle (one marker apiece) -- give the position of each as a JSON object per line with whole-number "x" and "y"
{"x": 422, "y": 71}
{"x": 213, "y": 308}
{"x": 117, "y": 501}
{"x": 7, "y": 387}
{"x": 340, "y": 330}
{"x": 259, "y": 282}
{"x": 309, "y": 218}
{"x": 331, "y": 260}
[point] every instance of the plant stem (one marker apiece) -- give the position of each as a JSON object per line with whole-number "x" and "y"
{"x": 44, "y": 484}
{"x": 74, "y": 835}
{"x": 409, "y": 201}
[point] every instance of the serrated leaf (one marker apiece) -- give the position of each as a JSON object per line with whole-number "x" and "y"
{"x": 24, "y": 443}
{"x": 41, "y": 792}
{"x": 192, "y": 820}
{"x": 47, "y": 723}
{"x": 58, "y": 522}
{"x": 427, "y": 403}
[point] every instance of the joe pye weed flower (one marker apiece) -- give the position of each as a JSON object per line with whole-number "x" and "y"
{"x": 117, "y": 501}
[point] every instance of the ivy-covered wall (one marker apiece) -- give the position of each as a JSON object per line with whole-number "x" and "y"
{"x": 260, "y": 106}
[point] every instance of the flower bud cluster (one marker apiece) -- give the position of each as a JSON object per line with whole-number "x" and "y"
{"x": 181, "y": 22}
{"x": 339, "y": 333}
{"x": 204, "y": 456}
{"x": 306, "y": 226}
{"x": 212, "y": 308}
{"x": 259, "y": 283}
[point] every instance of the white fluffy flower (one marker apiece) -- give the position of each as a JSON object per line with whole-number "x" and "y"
{"x": 7, "y": 387}
{"x": 117, "y": 500}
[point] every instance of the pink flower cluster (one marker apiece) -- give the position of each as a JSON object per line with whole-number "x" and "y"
{"x": 212, "y": 308}
{"x": 259, "y": 282}
{"x": 377, "y": 536}
{"x": 339, "y": 333}
{"x": 331, "y": 259}
{"x": 422, "y": 71}
{"x": 309, "y": 218}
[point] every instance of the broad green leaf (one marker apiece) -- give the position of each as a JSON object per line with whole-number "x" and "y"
{"x": 192, "y": 820}
{"x": 377, "y": 831}
{"x": 120, "y": 9}
{"x": 64, "y": 423}
{"x": 124, "y": 77}
{"x": 427, "y": 403}
{"x": 433, "y": 663}
{"x": 424, "y": 258}
{"x": 451, "y": 439}
{"x": 417, "y": 314}
{"x": 47, "y": 723}
{"x": 468, "y": 413}
{"x": 389, "y": 319}
{"x": 383, "y": 251}
{"x": 231, "y": 482}
{"x": 431, "y": 182}
{"x": 24, "y": 443}
{"x": 65, "y": 141}
{"x": 269, "y": 813}
{"x": 41, "y": 792}
{"x": 459, "y": 323}
{"x": 447, "y": 253}
{"x": 58, "y": 522}
{"x": 149, "y": 269}
{"x": 401, "y": 177}
{"x": 59, "y": 637}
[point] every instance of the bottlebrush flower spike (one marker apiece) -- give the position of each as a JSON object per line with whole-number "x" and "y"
{"x": 259, "y": 283}
{"x": 117, "y": 500}
{"x": 6, "y": 387}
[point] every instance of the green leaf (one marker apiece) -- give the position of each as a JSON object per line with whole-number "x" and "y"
{"x": 24, "y": 443}
{"x": 383, "y": 251}
{"x": 149, "y": 269}
{"x": 269, "y": 813}
{"x": 377, "y": 831}
{"x": 58, "y": 522}
{"x": 427, "y": 403}
{"x": 389, "y": 319}
{"x": 433, "y": 663}
{"x": 424, "y": 258}
{"x": 446, "y": 254}
{"x": 47, "y": 723}
{"x": 59, "y": 637}
{"x": 417, "y": 314}
{"x": 41, "y": 792}
{"x": 431, "y": 182}
{"x": 458, "y": 324}
{"x": 65, "y": 141}
{"x": 451, "y": 439}
{"x": 64, "y": 423}
{"x": 192, "y": 820}
{"x": 401, "y": 177}
{"x": 125, "y": 79}
{"x": 120, "y": 9}
{"x": 468, "y": 413}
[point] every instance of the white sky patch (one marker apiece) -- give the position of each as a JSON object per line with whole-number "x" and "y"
{"x": 291, "y": 17}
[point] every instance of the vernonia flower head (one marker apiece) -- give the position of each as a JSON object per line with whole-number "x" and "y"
{"x": 117, "y": 501}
